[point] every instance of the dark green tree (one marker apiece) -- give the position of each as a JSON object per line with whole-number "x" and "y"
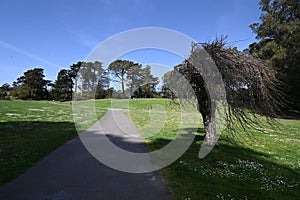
{"x": 62, "y": 87}
{"x": 145, "y": 83}
{"x": 31, "y": 85}
{"x": 103, "y": 91}
{"x": 4, "y": 91}
{"x": 73, "y": 74}
{"x": 278, "y": 35}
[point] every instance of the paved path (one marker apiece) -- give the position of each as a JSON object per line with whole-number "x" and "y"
{"x": 71, "y": 173}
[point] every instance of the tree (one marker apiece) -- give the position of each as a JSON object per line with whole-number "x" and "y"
{"x": 73, "y": 74}
{"x": 239, "y": 72}
{"x": 146, "y": 87}
{"x": 166, "y": 92}
{"x": 119, "y": 69}
{"x": 141, "y": 83}
{"x": 62, "y": 87}
{"x": 31, "y": 85}
{"x": 103, "y": 91}
{"x": 4, "y": 91}
{"x": 134, "y": 78}
{"x": 278, "y": 36}
{"x": 89, "y": 77}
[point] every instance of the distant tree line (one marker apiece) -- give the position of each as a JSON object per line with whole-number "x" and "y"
{"x": 86, "y": 80}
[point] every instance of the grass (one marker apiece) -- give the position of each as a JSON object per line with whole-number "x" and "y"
{"x": 257, "y": 166}
{"x": 30, "y": 130}
{"x": 260, "y": 166}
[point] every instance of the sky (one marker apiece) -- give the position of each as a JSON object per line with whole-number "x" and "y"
{"x": 55, "y": 34}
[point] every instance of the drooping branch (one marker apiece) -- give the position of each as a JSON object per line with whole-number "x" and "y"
{"x": 250, "y": 85}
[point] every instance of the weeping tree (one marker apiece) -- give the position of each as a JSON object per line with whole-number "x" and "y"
{"x": 250, "y": 87}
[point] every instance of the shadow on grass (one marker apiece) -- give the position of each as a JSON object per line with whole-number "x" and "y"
{"x": 230, "y": 171}
{"x": 23, "y": 143}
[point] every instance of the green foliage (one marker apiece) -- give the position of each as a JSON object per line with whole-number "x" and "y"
{"x": 62, "y": 87}
{"x": 119, "y": 69}
{"x": 140, "y": 82}
{"x": 89, "y": 78}
{"x": 279, "y": 43}
{"x": 166, "y": 91}
{"x": 4, "y": 91}
{"x": 103, "y": 91}
{"x": 86, "y": 80}
{"x": 143, "y": 84}
{"x": 92, "y": 81}
{"x": 31, "y": 85}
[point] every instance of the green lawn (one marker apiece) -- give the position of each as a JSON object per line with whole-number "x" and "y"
{"x": 30, "y": 130}
{"x": 261, "y": 166}
{"x": 256, "y": 166}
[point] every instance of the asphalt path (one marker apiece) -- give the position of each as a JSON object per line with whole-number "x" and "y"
{"x": 72, "y": 173}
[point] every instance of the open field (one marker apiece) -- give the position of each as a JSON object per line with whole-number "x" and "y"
{"x": 257, "y": 166}
{"x": 260, "y": 166}
{"x": 30, "y": 130}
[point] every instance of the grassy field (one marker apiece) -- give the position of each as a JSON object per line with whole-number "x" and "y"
{"x": 257, "y": 166}
{"x": 260, "y": 166}
{"x": 30, "y": 130}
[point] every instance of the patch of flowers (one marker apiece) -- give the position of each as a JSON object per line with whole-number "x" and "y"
{"x": 223, "y": 196}
{"x": 243, "y": 170}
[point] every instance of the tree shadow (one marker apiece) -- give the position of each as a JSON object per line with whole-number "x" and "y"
{"x": 197, "y": 133}
{"x": 23, "y": 143}
{"x": 229, "y": 169}
{"x": 72, "y": 165}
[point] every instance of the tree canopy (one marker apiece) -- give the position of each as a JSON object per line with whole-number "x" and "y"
{"x": 119, "y": 69}
{"x": 278, "y": 36}
{"x": 138, "y": 79}
{"x": 4, "y": 91}
{"x": 90, "y": 77}
{"x": 62, "y": 88}
{"x": 31, "y": 85}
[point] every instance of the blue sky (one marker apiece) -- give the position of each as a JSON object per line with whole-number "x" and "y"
{"x": 55, "y": 34}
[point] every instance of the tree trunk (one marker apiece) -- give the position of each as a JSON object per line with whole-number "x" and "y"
{"x": 211, "y": 137}
{"x": 123, "y": 88}
{"x": 209, "y": 122}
